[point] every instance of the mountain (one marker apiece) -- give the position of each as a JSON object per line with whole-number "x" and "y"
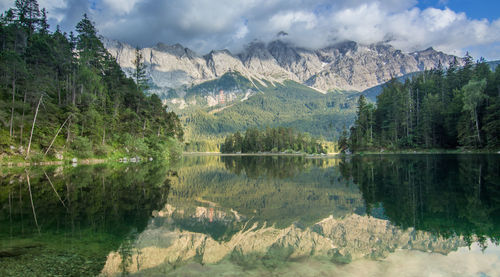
{"x": 343, "y": 66}
{"x": 273, "y": 84}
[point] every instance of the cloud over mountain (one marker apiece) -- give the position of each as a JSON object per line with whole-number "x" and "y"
{"x": 204, "y": 25}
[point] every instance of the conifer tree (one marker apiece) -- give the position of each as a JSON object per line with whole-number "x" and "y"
{"x": 140, "y": 77}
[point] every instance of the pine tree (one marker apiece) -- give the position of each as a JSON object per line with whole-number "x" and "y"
{"x": 343, "y": 142}
{"x": 140, "y": 76}
{"x": 28, "y": 13}
{"x": 44, "y": 25}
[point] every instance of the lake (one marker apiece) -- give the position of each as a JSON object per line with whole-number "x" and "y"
{"x": 372, "y": 215}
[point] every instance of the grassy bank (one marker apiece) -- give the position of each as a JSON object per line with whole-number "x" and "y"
{"x": 169, "y": 149}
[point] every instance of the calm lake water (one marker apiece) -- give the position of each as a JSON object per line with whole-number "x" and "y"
{"x": 387, "y": 215}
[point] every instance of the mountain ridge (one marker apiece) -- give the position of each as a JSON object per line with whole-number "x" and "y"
{"x": 342, "y": 66}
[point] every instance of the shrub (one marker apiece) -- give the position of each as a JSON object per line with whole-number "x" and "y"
{"x": 82, "y": 147}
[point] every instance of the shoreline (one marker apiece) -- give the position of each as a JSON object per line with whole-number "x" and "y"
{"x": 48, "y": 163}
{"x": 329, "y": 155}
{"x": 453, "y": 152}
{"x": 256, "y": 154}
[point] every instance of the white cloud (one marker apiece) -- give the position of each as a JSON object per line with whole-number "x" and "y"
{"x": 121, "y": 6}
{"x": 288, "y": 20}
{"x": 204, "y": 25}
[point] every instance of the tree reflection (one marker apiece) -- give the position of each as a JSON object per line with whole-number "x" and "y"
{"x": 444, "y": 194}
{"x": 82, "y": 212}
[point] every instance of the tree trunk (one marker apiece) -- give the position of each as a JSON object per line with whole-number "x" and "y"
{"x": 58, "y": 90}
{"x": 73, "y": 91}
{"x": 104, "y": 135}
{"x": 12, "y": 108}
{"x": 22, "y": 120}
{"x": 81, "y": 93}
{"x": 67, "y": 86}
{"x": 477, "y": 126}
{"x": 68, "y": 135}
{"x": 33, "y": 127}
{"x": 418, "y": 109}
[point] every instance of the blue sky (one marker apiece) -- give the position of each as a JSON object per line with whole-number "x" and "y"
{"x": 451, "y": 26}
{"x": 476, "y": 9}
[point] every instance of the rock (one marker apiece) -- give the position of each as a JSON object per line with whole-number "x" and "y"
{"x": 342, "y": 66}
{"x": 150, "y": 159}
{"x": 133, "y": 160}
{"x": 59, "y": 156}
{"x": 74, "y": 160}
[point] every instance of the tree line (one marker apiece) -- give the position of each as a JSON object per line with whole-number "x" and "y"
{"x": 63, "y": 93}
{"x": 279, "y": 139}
{"x": 448, "y": 109}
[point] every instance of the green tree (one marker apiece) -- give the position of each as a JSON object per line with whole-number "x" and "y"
{"x": 473, "y": 96}
{"x": 140, "y": 77}
{"x": 28, "y": 13}
{"x": 343, "y": 142}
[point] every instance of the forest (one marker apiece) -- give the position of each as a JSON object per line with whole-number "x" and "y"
{"x": 64, "y": 95}
{"x": 453, "y": 108}
{"x": 274, "y": 140}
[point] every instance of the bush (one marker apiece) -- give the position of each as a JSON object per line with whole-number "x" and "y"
{"x": 102, "y": 150}
{"x": 82, "y": 147}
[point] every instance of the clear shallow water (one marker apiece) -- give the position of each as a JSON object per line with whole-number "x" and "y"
{"x": 414, "y": 215}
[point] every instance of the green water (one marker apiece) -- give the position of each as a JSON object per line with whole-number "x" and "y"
{"x": 388, "y": 215}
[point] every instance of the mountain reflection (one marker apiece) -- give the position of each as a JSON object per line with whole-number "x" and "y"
{"x": 261, "y": 215}
{"x": 254, "y": 215}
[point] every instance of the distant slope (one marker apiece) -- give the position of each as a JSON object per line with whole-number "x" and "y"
{"x": 289, "y": 104}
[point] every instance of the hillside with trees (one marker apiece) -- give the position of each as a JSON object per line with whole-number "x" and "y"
{"x": 289, "y": 105}
{"x": 446, "y": 109}
{"x": 65, "y": 94}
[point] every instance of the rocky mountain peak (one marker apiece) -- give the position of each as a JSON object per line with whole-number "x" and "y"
{"x": 343, "y": 66}
{"x": 175, "y": 49}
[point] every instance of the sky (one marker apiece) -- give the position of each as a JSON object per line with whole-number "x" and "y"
{"x": 451, "y": 26}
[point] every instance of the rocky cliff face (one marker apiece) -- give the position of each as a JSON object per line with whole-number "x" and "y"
{"x": 344, "y": 66}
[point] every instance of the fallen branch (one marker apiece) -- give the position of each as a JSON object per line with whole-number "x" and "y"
{"x": 33, "y": 127}
{"x": 57, "y": 133}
